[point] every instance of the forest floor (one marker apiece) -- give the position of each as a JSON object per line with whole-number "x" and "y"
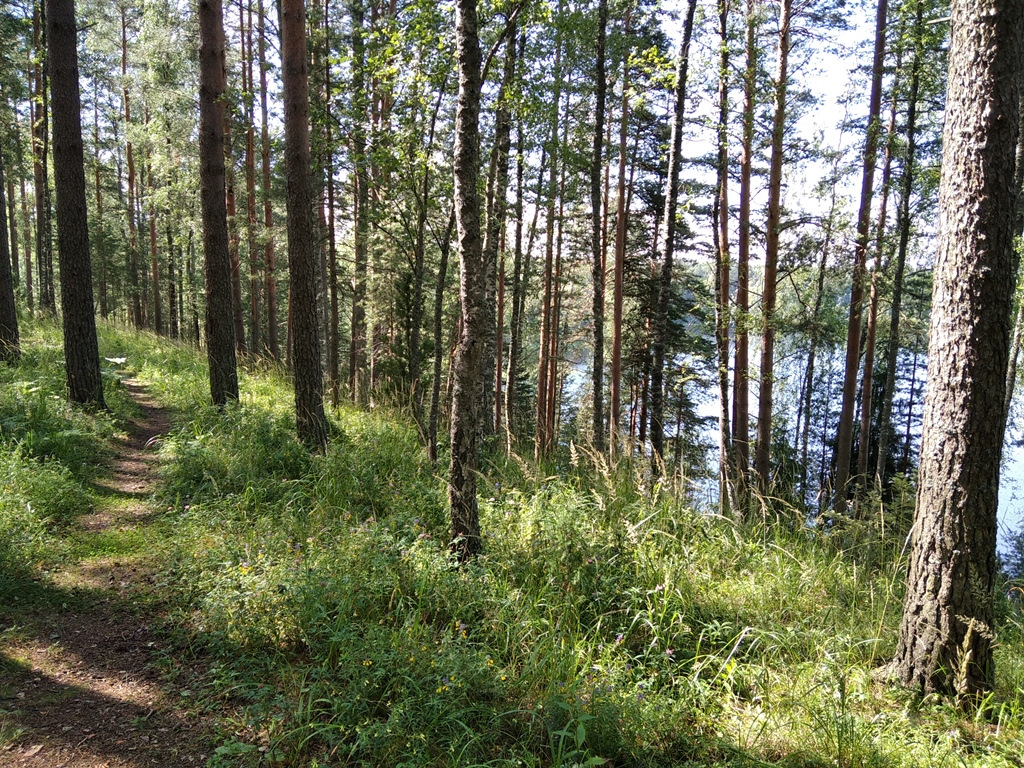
{"x": 89, "y": 678}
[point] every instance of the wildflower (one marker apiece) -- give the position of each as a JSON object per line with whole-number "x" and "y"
{"x": 367, "y": 662}
{"x": 618, "y": 638}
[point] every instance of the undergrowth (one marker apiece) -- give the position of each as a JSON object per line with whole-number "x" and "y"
{"x": 607, "y": 623}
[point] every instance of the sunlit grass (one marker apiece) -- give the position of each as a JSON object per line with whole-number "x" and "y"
{"x": 606, "y": 623}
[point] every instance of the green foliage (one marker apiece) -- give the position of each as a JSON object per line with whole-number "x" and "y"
{"x": 603, "y": 623}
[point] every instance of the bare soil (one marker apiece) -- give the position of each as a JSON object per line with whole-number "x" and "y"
{"x": 85, "y": 680}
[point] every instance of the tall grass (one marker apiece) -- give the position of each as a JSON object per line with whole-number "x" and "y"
{"x": 607, "y": 623}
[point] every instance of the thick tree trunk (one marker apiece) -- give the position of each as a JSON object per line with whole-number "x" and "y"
{"x": 762, "y": 454}
{"x": 81, "y": 348}
{"x": 220, "y": 333}
{"x": 308, "y": 376}
{"x": 668, "y": 224}
{"x": 844, "y": 438}
{"x": 466, "y": 395}
{"x": 947, "y": 634}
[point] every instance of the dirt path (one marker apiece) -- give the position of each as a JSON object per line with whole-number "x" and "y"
{"x": 81, "y": 680}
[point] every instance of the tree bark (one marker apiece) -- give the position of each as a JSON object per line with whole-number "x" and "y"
{"x": 615, "y": 385}
{"x": 133, "y": 242}
{"x": 81, "y": 348}
{"x": 251, "y": 219}
{"x": 10, "y": 344}
{"x": 497, "y": 191}
{"x": 741, "y": 366}
{"x": 308, "y": 376}
{"x": 597, "y": 251}
{"x": 41, "y": 149}
{"x": 946, "y": 635}
{"x": 762, "y": 454}
{"x": 361, "y": 230}
{"x": 466, "y": 396}
{"x": 435, "y": 390}
{"x": 219, "y": 332}
{"x": 269, "y": 278}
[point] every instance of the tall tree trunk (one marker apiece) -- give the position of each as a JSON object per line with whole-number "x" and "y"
{"x": 871, "y": 333}
{"x": 233, "y": 239}
{"x": 269, "y": 279}
{"x": 723, "y": 269}
{"x": 597, "y": 252}
{"x": 947, "y": 633}
{"x": 81, "y": 348}
{"x": 220, "y": 332}
{"x": 497, "y": 191}
{"x": 740, "y": 460}
{"x": 10, "y": 344}
{"x": 435, "y": 389}
{"x": 844, "y": 437}
{"x": 621, "y": 228}
{"x": 158, "y": 320}
{"x": 100, "y": 230}
{"x": 133, "y": 242}
{"x": 416, "y": 313}
{"x": 465, "y": 426}
{"x": 26, "y": 234}
{"x": 308, "y": 376}
{"x": 12, "y": 217}
{"x": 251, "y": 221}
{"x": 172, "y": 305}
{"x": 664, "y": 289}
{"x": 762, "y": 454}
{"x": 361, "y": 229}
{"x": 903, "y": 222}
{"x": 547, "y": 330}
{"x": 41, "y": 148}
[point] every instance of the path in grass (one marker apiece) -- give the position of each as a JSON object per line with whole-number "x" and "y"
{"x": 81, "y": 685}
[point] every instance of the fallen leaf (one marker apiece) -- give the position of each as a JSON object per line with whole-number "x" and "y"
{"x": 33, "y": 751}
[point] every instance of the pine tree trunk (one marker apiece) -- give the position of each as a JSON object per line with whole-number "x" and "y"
{"x": 740, "y": 460}
{"x": 133, "y": 241}
{"x": 844, "y": 439}
{"x": 158, "y": 320}
{"x": 251, "y": 220}
{"x": 664, "y": 289}
{"x": 269, "y": 278}
{"x": 947, "y": 634}
{"x": 903, "y": 222}
{"x": 597, "y": 251}
{"x": 233, "y": 239}
{"x": 308, "y": 376}
{"x": 220, "y": 334}
{"x": 81, "y": 348}
{"x": 41, "y": 148}
{"x": 762, "y": 454}
{"x": 361, "y": 230}
{"x": 26, "y": 234}
{"x": 621, "y": 227}
{"x": 100, "y": 227}
{"x": 10, "y": 344}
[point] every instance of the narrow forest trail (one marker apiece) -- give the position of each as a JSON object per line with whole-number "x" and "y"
{"x": 84, "y": 679}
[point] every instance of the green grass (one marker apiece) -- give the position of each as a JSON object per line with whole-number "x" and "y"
{"x": 602, "y": 626}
